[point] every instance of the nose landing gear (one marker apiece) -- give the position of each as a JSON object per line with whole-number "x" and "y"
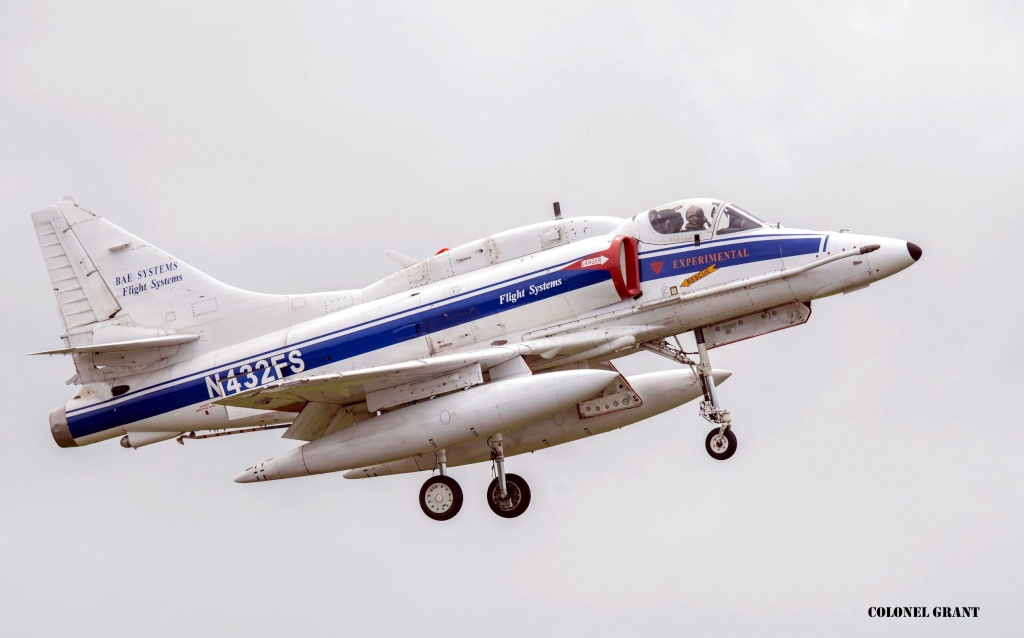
{"x": 720, "y": 442}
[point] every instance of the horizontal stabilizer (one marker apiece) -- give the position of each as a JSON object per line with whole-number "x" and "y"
{"x": 133, "y": 344}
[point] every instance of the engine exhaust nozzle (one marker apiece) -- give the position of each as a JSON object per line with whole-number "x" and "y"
{"x": 59, "y": 428}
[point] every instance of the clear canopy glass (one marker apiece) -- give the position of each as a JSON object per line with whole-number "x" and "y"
{"x": 733, "y": 219}
{"x": 685, "y": 215}
{"x": 701, "y": 215}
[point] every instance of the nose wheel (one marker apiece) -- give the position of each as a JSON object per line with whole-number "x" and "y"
{"x": 720, "y": 445}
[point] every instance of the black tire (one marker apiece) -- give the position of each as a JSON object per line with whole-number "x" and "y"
{"x": 519, "y": 496}
{"x": 719, "y": 449}
{"x": 441, "y": 498}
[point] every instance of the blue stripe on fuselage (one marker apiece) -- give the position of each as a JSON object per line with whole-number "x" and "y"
{"x": 519, "y": 279}
{"x": 799, "y": 246}
{"x": 650, "y": 250}
{"x": 344, "y": 346}
{"x": 683, "y": 261}
{"x": 376, "y": 334}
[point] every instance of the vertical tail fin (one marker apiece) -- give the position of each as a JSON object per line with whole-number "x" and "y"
{"x": 115, "y": 288}
{"x": 99, "y": 271}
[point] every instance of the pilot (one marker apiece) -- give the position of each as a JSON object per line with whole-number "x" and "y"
{"x": 695, "y": 219}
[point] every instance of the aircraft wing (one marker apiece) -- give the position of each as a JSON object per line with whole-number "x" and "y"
{"x": 345, "y": 388}
{"x": 325, "y": 402}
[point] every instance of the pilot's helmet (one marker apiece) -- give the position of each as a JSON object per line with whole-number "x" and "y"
{"x": 695, "y": 215}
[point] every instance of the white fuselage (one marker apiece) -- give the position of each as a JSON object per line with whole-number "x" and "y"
{"x": 516, "y": 287}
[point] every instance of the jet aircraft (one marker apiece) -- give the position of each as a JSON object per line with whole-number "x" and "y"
{"x": 497, "y": 347}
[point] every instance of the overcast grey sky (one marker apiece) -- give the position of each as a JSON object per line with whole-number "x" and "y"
{"x": 283, "y": 147}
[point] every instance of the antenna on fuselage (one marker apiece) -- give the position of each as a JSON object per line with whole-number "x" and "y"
{"x": 558, "y": 210}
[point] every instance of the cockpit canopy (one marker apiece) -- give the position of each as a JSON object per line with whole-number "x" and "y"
{"x": 680, "y": 220}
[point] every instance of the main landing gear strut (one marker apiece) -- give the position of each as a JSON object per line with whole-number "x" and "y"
{"x": 508, "y": 494}
{"x": 720, "y": 442}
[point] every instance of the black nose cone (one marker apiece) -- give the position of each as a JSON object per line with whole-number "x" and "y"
{"x": 914, "y": 250}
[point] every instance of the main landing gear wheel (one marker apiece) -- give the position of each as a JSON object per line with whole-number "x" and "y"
{"x": 720, "y": 446}
{"x": 441, "y": 498}
{"x": 517, "y": 500}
